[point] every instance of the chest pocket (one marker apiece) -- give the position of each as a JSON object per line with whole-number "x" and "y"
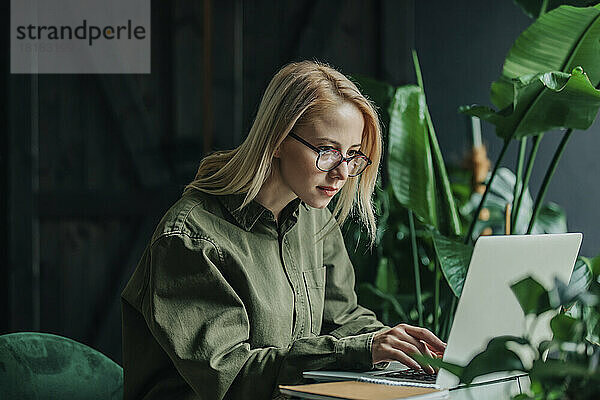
{"x": 315, "y": 287}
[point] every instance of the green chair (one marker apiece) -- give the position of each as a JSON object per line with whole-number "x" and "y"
{"x": 44, "y": 366}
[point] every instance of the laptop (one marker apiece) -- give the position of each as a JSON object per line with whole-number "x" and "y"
{"x": 487, "y": 307}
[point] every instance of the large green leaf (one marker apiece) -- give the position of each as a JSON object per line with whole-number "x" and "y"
{"x": 410, "y": 162}
{"x": 454, "y": 258}
{"x": 533, "y": 8}
{"x": 593, "y": 264}
{"x": 415, "y": 166}
{"x": 543, "y": 102}
{"x": 560, "y": 40}
{"x": 495, "y": 358}
{"x": 532, "y": 296}
{"x": 566, "y": 328}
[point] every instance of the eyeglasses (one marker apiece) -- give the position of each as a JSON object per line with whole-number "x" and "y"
{"x": 329, "y": 158}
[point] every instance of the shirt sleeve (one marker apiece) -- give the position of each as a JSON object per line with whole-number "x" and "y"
{"x": 342, "y": 316}
{"x": 202, "y": 324}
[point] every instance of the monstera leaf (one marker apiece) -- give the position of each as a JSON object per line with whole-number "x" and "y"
{"x": 543, "y": 102}
{"x": 552, "y": 218}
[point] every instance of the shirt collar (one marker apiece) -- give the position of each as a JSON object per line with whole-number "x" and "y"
{"x": 253, "y": 211}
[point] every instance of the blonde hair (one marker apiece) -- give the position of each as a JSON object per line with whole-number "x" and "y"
{"x": 298, "y": 93}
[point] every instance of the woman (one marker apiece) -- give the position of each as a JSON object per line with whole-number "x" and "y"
{"x": 246, "y": 281}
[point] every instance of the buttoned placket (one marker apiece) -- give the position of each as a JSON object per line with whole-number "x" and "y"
{"x": 301, "y": 325}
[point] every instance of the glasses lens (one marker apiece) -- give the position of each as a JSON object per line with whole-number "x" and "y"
{"x": 329, "y": 159}
{"x": 357, "y": 165}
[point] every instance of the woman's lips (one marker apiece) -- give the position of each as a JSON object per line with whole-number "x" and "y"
{"x": 328, "y": 191}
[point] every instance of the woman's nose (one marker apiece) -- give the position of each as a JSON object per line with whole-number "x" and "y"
{"x": 341, "y": 171}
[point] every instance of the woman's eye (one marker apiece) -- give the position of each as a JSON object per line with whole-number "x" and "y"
{"x": 325, "y": 148}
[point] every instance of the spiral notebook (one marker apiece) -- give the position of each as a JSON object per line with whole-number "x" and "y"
{"x": 353, "y": 390}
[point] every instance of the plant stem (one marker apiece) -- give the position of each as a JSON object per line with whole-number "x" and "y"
{"x": 436, "y": 305}
{"x": 518, "y": 181}
{"x": 413, "y": 241}
{"x": 543, "y": 8}
{"x": 530, "y": 162}
{"x": 487, "y": 190}
{"x": 454, "y": 219}
{"x": 549, "y": 173}
{"x": 450, "y": 319}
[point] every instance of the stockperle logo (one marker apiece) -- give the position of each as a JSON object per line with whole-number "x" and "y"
{"x": 80, "y": 36}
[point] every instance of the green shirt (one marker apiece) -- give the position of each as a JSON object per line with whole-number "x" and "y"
{"x": 230, "y": 304}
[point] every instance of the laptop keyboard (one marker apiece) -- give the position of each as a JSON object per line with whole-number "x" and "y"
{"x": 411, "y": 374}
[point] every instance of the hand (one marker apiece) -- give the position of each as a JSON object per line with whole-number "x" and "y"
{"x": 402, "y": 341}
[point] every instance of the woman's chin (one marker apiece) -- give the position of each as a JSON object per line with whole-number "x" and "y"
{"x": 315, "y": 202}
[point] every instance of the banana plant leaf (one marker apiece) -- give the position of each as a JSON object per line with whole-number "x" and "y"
{"x": 560, "y": 40}
{"x": 533, "y": 8}
{"x": 543, "y": 102}
{"x": 410, "y": 162}
{"x": 415, "y": 167}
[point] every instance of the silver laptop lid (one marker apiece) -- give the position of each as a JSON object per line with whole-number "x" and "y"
{"x": 487, "y": 307}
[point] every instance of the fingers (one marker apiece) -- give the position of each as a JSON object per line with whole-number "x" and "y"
{"x": 409, "y": 349}
{"x": 429, "y": 353}
{"x": 427, "y": 336}
{"x": 402, "y": 335}
{"x": 435, "y": 353}
{"x": 398, "y": 355}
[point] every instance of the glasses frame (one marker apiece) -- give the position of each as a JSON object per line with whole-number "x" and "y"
{"x": 319, "y": 152}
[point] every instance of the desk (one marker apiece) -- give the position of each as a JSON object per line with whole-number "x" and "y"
{"x": 496, "y": 390}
